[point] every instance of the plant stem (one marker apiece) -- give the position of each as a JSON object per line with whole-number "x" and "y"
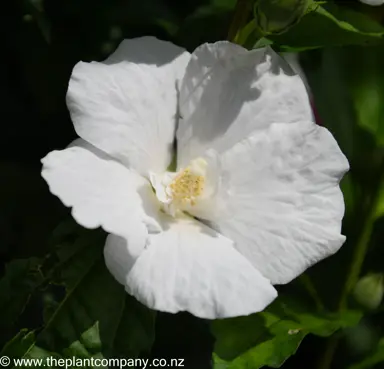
{"x": 359, "y": 254}
{"x": 352, "y": 277}
{"x": 241, "y": 14}
{"x": 363, "y": 241}
{"x": 330, "y": 349}
{"x": 311, "y": 289}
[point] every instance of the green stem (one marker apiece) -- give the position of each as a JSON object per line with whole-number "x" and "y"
{"x": 330, "y": 349}
{"x": 352, "y": 277}
{"x": 311, "y": 289}
{"x": 359, "y": 254}
{"x": 241, "y": 14}
{"x": 362, "y": 243}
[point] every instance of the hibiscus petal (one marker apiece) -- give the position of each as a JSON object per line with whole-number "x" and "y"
{"x": 228, "y": 92}
{"x": 102, "y": 192}
{"x": 373, "y": 2}
{"x": 283, "y": 205}
{"x": 120, "y": 256}
{"x": 127, "y": 105}
{"x": 190, "y": 267}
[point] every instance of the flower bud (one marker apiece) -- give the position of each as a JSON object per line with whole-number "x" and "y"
{"x": 277, "y": 16}
{"x": 369, "y": 291}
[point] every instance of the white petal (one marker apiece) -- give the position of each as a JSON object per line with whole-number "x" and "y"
{"x": 102, "y": 192}
{"x": 228, "y": 92}
{"x": 293, "y": 60}
{"x": 373, "y": 2}
{"x": 283, "y": 203}
{"x": 120, "y": 255}
{"x": 190, "y": 267}
{"x": 127, "y": 105}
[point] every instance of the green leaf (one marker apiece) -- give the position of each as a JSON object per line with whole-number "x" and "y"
{"x": 23, "y": 346}
{"x": 96, "y": 318}
{"x": 18, "y": 283}
{"x": 270, "y": 337}
{"x": 347, "y": 85}
{"x": 325, "y": 71}
{"x": 338, "y": 82}
{"x": 19, "y": 344}
{"x": 330, "y": 25}
{"x": 366, "y": 82}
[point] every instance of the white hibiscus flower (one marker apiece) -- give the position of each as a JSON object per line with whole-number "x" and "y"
{"x": 255, "y": 197}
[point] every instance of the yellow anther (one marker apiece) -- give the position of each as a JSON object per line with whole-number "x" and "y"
{"x": 187, "y": 186}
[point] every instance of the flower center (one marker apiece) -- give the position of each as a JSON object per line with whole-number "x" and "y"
{"x": 186, "y": 187}
{"x": 181, "y": 190}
